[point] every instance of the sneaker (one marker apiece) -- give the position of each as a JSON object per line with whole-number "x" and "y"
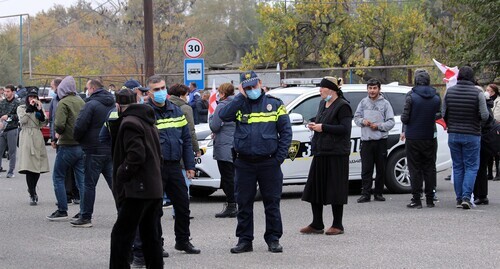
{"x": 364, "y": 199}
{"x": 83, "y": 223}
{"x": 459, "y": 203}
{"x": 58, "y": 215}
{"x": 415, "y": 204}
{"x": 10, "y": 175}
{"x": 75, "y": 217}
{"x": 466, "y": 204}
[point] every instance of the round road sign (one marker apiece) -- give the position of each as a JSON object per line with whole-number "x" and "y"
{"x": 193, "y": 48}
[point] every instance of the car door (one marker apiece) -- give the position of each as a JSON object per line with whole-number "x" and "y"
{"x": 354, "y": 97}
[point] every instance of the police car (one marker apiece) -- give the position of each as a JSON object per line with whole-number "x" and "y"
{"x": 302, "y": 101}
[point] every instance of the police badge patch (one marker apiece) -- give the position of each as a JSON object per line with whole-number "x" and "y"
{"x": 269, "y": 107}
{"x": 293, "y": 149}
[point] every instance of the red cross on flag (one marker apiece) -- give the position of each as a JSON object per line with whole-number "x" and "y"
{"x": 450, "y": 73}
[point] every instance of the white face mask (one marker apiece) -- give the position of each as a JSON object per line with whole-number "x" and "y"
{"x": 187, "y": 98}
{"x": 487, "y": 95}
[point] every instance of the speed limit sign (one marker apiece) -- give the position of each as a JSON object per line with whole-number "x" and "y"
{"x": 193, "y": 48}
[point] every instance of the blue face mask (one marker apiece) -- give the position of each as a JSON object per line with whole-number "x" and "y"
{"x": 328, "y": 98}
{"x": 160, "y": 96}
{"x": 253, "y": 94}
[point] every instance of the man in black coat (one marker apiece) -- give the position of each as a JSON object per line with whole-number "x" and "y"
{"x": 137, "y": 185}
{"x": 97, "y": 155}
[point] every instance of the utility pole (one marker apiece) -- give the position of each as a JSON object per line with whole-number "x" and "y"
{"x": 148, "y": 38}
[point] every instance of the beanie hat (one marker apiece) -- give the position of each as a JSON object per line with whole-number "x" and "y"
{"x": 422, "y": 77}
{"x": 125, "y": 97}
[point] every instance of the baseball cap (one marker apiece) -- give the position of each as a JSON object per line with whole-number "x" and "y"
{"x": 125, "y": 97}
{"x": 248, "y": 79}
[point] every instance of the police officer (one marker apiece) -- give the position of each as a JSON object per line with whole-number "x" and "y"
{"x": 261, "y": 140}
{"x": 175, "y": 142}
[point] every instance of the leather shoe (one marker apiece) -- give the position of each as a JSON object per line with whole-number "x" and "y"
{"x": 187, "y": 247}
{"x": 164, "y": 253}
{"x": 364, "y": 199}
{"x": 334, "y": 231}
{"x": 275, "y": 247}
{"x": 378, "y": 197}
{"x": 482, "y": 201}
{"x": 242, "y": 247}
{"x": 311, "y": 230}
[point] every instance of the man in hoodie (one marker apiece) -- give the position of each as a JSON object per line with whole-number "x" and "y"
{"x": 422, "y": 108}
{"x": 97, "y": 156}
{"x": 375, "y": 117}
{"x": 464, "y": 108}
{"x": 69, "y": 152}
{"x": 137, "y": 184}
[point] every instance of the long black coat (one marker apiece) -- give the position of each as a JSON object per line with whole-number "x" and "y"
{"x": 137, "y": 156}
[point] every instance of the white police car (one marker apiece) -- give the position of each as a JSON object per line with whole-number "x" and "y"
{"x": 302, "y": 104}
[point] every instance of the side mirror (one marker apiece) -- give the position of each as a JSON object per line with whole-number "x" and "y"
{"x": 296, "y": 118}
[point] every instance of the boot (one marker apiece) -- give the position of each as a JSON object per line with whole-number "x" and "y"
{"x": 34, "y": 200}
{"x": 229, "y": 211}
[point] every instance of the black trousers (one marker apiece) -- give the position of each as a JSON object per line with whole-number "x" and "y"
{"x": 133, "y": 213}
{"x": 373, "y": 152}
{"x": 175, "y": 187}
{"x": 226, "y": 170}
{"x": 421, "y": 157}
{"x": 31, "y": 181}
{"x": 481, "y": 183}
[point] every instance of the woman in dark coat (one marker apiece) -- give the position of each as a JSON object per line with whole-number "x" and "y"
{"x": 327, "y": 183}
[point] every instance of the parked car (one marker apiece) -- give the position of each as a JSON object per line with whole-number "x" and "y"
{"x": 302, "y": 104}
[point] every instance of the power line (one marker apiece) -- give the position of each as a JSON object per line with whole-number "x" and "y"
{"x": 337, "y": 2}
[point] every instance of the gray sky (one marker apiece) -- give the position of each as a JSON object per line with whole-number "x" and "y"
{"x": 32, "y": 7}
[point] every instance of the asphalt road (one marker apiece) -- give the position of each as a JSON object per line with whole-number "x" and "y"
{"x": 377, "y": 234}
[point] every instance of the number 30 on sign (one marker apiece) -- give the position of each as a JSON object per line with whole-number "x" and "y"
{"x": 193, "y": 48}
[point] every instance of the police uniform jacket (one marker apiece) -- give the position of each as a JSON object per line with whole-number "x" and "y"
{"x": 175, "y": 138}
{"x": 262, "y": 126}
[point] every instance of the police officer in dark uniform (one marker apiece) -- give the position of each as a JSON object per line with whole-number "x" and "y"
{"x": 175, "y": 142}
{"x": 261, "y": 140}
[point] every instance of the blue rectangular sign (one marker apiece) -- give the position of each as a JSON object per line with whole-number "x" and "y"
{"x": 194, "y": 71}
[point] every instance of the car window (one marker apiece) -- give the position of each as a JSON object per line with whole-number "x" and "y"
{"x": 285, "y": 97}
{"x": 308, "y": 108}
{"x": 397, "y": 101}
{"x": 354, "y": 98}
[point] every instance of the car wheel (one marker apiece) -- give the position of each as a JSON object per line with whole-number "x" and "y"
{"x": 200, "y": 192}
{"x": 397, "y": 178}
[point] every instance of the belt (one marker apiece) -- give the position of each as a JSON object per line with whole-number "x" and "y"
{"x": 253, "y": 158}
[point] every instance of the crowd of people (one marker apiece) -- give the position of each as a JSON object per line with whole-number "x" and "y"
{"x": 143, "y": 141}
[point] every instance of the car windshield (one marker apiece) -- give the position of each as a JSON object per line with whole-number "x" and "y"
{"x": 285, "y": 97}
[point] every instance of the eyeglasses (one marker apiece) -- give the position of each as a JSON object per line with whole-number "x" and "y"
{"x": 159, "y": 88}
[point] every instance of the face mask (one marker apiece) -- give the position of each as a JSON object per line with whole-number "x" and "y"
{"x": 217, "y": 97}
{"x": 160, "y": 96}
{"x": 187, "y": 98}
{"x": 328, "y": 98}
{"x": 141, "y": 101}
{"x": 253, "y": 94}
{"x": 487, "y": 95}
{"x": 52, "y": 95}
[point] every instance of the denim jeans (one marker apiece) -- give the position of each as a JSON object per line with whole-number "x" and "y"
{"x": 95, "y": 164}
{"x": 68, "y": 156}
{"x": 464, "y": 149}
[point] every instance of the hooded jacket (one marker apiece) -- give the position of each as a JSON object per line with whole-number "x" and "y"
{"x": 67, "y": 111}
{"x": 422, "y": 109}
{"x": 137, "y": 156}
{"x": 90, "y": 121}
{"x": 377, "y": 111}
